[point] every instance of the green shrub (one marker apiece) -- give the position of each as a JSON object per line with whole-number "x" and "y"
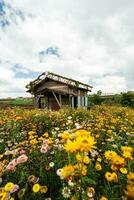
{"x": 127, "y": 99}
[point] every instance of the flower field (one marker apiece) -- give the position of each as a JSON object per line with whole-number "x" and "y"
{"x": 75, "y": 155}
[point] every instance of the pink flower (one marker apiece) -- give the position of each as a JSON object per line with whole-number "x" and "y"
{"x": 8, "y": 152}
{"x": 14, "y": 162}
{"x": 21, "y": 159}
{"x": 15, "y": 188}
{"x": 10, "y": 167}
{"x": 44, "y": 149}
{"x": 45, "y": 142}
{"x": 22, "y": 151}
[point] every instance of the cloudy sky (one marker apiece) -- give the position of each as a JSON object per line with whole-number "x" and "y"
{"x": 90, "y": 41}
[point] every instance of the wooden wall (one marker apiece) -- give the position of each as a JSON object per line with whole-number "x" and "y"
{"x": 48, "y": 93}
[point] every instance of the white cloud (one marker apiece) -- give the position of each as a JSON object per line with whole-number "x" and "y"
{"x": 111, "y": 84}
{"x": 92, "y": 38}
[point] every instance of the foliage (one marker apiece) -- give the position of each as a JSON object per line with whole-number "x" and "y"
{"x": 127, "y": 99}
{"x": 16, "y": 102}
{"x": 124, "y": 99}
{"x": 94, "y": 99}
{"x": 70, "y": 154}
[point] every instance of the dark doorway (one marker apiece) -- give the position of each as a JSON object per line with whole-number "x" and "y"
{"x": 75, "y": 102}
{"x": 41, "y": 102}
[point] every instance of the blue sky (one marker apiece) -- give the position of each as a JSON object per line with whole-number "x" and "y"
{"x": 90, "y": 41}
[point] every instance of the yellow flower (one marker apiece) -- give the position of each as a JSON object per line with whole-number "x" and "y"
{"x": 31, "y": 133}
{"x": 1, "y": 156}
{"x": 118, "y": 160}
{"x": 127, "y": 148}
{"x": 85, "y": 143}
{"x": 114, "y": 167}
{"x": 9, "y": 186}
{"x": 97, "y": 135}
{"x": 73, "y": 198}
{"x": 1, "y": 170}
{"x": 86, "y": 160}
{"x": 4, "y": 195}
{"x": 109, "y": 155}
{"x": 65, "y": 136}
{"x": 18, "y": 118}
{"x": 111, "y": 177}
{"x": 33, "y": 142}
{"x": 82, "y": 133}
{"x": 67, "y": 171}
{"x": 45, "y": 134}
{"x": 36, "y": 187}
{"x": 31, "y": 137}
{"x": 103, "y": 198}
{"x": 43, "y": 189}
{"x": 109, "y": 132}
{"x": 50, "y": 141}
{"x": 127, "y": 154}
{"x": 82, "y": 143}
{"x": 99, "y": 159}
{"x": 98, "y": 166}
{"x": 78, "y": 157}
{"x": 130, "y": 176}
{"x": 84, "y": 170}
{"x": 130, "y": 191}
{"x": 71, "y": 146}
{"x": 123, "y": 170}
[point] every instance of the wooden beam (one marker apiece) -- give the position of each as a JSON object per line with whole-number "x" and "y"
{"x": 56, "y": 99}
{"x": 60, "y": 98}
{"x": 57, "y": 87}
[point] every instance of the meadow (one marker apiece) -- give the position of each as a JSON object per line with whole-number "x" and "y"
{"x": 75, "y": 155}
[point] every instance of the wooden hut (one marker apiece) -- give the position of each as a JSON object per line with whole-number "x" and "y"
{"x": 52, "y": 91}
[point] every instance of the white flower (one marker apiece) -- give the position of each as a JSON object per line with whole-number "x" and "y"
{"x": 90, "y": 194}
{"x": 57, "y": 141}
{"x": 51, "y": 164}
{"x": 1, "y": 140}
{"x": 127, "y": 133}
{"x": 94, "y": 153}
{"x": 114, "y": 145}
{"x": 53, "y": 133}
{"x": 66, "y": 192}
{"x": 59, "y": 171}
{"x": 57, "y": 128}
{"x": 69, "y": 117}
{"x": 70, "y": 183}
{"x": 78, "y": 126}
{"x": 69, "y": 122}
{"x": 60, "y": 147}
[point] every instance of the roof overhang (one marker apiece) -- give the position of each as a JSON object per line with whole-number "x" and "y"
{"x": 58, "y": 78}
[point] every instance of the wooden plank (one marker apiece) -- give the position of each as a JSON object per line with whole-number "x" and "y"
{"x": 56, "y": 99}
{"x": 60, "y": 98}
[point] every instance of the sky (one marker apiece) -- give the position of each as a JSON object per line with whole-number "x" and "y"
{"x": 90, "y": 41}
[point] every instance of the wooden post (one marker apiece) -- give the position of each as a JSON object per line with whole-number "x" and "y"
{"x": 72, "y": 101}
{"x": 60, "y": 99}
{"x": 86, "y": 101}
{"x": 83, "y": 103}
{"x": 79, "y": 99}
{"x": 56, "y": 99}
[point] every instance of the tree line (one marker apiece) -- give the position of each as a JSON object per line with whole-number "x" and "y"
{"x": 124, "y": 99}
